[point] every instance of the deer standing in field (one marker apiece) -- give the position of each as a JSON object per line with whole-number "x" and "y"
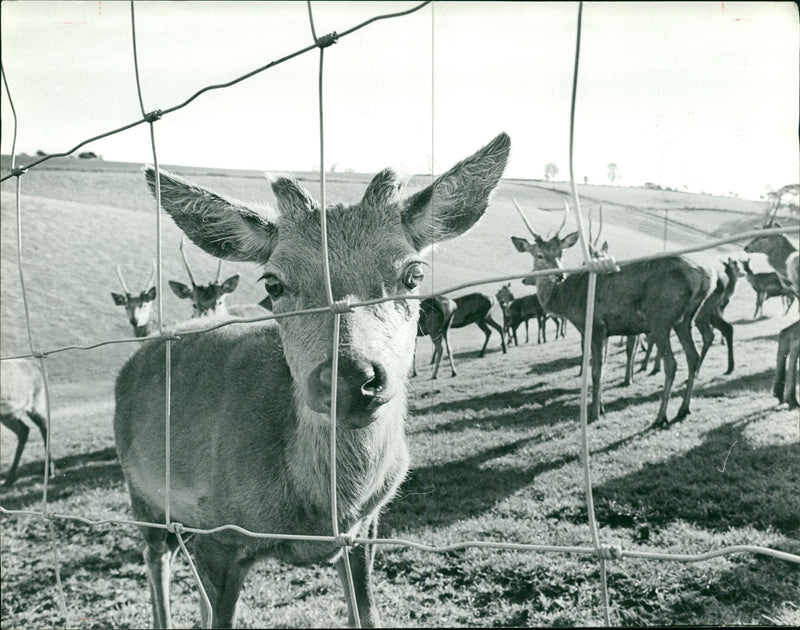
{"x": 766, "y": 285}
{"x": 435, "y": 317}
{"x": 519, "y": 310}
{"x": 251, "y": 404}
{"x": 710, "y": 313}
{"x": 139, "y": 308}
{"x": 475, "y": 308}
{"x": 654, "y": 296}
{"x": 208, "y": 300}
{"x": 784, "y": 258}
{"x": 22, "y": 398}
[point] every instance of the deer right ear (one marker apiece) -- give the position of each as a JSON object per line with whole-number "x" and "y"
{"x": 456, "y": 200}
{"x": 150, "y": 294}
{"x": 522, "y": 244}
{"x": 180, "y": 289}
{"x": 223, "y": 228}
{"x": 569, "y": 240}
{"x": 119, "y": 300}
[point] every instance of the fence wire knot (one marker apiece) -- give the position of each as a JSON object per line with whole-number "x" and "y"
{"x": 38, "y": 354}
{"x": 345, "y": 540}
{"x": 169, "y": 334}
{"x": 603, "y": 265}
{"x": 153, "y": 116}
{"x": 175, "y": 528}
{"x": 342, "y": 306}
{"x": 609, "y": 552}
{"x": 19, "y": 171}
{"x": 327, "y": 40}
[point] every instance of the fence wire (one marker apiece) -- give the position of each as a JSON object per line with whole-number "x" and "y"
{"x": 603, "y": 552}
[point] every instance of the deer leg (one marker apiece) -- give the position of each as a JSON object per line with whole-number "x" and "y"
{"x": 599, "y": 343}
{"x": 540, "y": 322}
{"x": 684, "y": 332}
{"x": 222, "y": 571}
{"x": 488, "y": 333}
{"x": 446, "y": 336}
{"x": 707, "y": 334}
{"x": 497, "y": 327}
{"x": 780, "y": 364}
{"x": 414, "y": 360}
{"x": 21, "y": 430}
{"x": 437, "y": 355}
{"x": 158, "y": 554}
{"x": 514, "y": 333}
{"x": 789, "y": 392}
{"x": 41, "y": 423}
{"x": 727, "y": 334}
{"x": 361, "y": 563}
{"x": 657, "y": 361}
{"x": 759, "y": 304}
{"x": 631, "y": 346}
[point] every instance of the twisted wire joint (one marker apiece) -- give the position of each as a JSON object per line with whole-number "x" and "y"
{"x": 609, "y": 552}
{"x": 345, "y": 540}
{"x": 603, "y": 265}
{"x": 175, "y": 528}
{"x": 153, "y": 116}
{"x": 342, "y": 306}
{"x": 19, "y": 171}
{"x": 38, "y": 354}
{"x": 327, "y": 40}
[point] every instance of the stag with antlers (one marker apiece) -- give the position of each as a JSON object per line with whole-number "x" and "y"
{"x": 139, "y": 307}
{"x": 655, "y": 296}
{"x": 208, "y": 300}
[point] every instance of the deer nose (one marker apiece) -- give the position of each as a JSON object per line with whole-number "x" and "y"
{"x": 361, "y": 386}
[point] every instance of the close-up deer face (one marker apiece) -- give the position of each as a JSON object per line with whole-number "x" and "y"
{"x": 375, "y": 250}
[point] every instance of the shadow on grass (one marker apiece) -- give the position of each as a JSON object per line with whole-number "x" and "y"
{"x": 76, "y": 474}
{"x": 724, "y": 482}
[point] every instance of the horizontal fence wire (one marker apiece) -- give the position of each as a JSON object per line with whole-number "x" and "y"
{"x": 169, "y": 334}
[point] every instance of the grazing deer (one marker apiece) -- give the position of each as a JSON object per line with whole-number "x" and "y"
{"x": 475, "y": 308}
{"x": 519, "y": 310}
{"x": 251, "y": 404}
{"x": 435, "y": 318}
{"x": 767, "y": 285}
{"x": 784, "y": 258}
{"x": 710, "y": 313}
{"x": 139, "y": 308}
{"x": 208, "y": 300}
{"x": 22, "y": 397}
{"x": 653, "y": 296}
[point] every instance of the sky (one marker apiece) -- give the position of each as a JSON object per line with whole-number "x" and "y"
{"x": 701, "y": 96}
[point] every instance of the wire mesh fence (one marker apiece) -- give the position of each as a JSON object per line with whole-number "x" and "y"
{"x": 596, "y": 547}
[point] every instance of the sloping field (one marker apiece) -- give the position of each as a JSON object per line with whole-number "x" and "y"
{"x": 495, "y": 449}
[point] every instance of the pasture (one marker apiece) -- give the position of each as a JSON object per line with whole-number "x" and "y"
{"x": 495, "y": 450}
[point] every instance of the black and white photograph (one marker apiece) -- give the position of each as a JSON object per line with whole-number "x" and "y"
{"x": 339, "y": 313}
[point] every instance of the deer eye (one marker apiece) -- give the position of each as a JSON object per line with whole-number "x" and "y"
{"x": 273, "y": 285}
{"x": 413, "y": 275}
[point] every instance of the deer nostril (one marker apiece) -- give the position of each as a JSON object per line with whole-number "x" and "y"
{"x": 375, "y": 385}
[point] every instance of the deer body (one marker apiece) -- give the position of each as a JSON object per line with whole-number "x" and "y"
{"x": 22, "y": 398}
{"x": 766, "y": 285}
{"x": 435, "y": 318}
{"x": 784, "y": 258}
{"x": 475, "y": 308}
{"x": 251, "y": 403}
{"x": 654, "y": 297}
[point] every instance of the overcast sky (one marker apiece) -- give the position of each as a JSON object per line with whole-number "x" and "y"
{"x": 703, "y": 95}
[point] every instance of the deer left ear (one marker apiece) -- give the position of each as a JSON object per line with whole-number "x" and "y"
{"x": 151, "y": 294}
{"x": 569, "y": 240}
{"x": 180, "y": 289}
{"x": 229, "y": 286}
{"x": 456, "y": 200}
{"x": 521, "y": 244}
{"x": 119, "y": 300}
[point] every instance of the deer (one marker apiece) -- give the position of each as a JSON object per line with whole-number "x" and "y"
{"x": 435, "y": 318}
{"x": 208, "y": 300}
{"x": 766, "y": 285}
{"x": 475, "y": 308}
{"x": 653, "y": 296}
{"x": 138, "y": 307}
{"x": 519, "y": 310}
{"x": 785, "y": 260}
{"x": 251, "y": 404}
{"x": 23, "y": 398}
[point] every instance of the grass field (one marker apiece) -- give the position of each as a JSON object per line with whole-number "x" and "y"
{"x": 495, "y": 450}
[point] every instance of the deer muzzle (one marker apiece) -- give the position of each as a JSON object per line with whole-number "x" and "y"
{"x": 362, "y": 387}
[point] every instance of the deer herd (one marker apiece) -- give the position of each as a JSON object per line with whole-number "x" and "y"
{"x": 251, "y": 404}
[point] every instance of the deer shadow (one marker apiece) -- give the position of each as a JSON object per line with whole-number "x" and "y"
{"x": 76, "y": 474}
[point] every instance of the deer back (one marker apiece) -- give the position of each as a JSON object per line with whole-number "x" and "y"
{"x": 21, "y": 387}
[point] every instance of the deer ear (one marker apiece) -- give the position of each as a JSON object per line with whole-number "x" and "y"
{"x": 150, "y": 295}
{"x": 456, "y": 200}
{"x": 223, "y": 228}
{"x": 229, "y": 286}
{"x": 119, "y": 300}
{"x": 292, "y": 197}
{"x": 180, "y": 289}
{"x": 569, "y": 240}
{"x": 521, "y": 244}
{"x": 604, "y": 248}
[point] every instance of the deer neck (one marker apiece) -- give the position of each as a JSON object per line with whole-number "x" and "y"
{"x": 371, "y": 461}
{"x": 778, "y": 254}
{"x": 551, "y": 293}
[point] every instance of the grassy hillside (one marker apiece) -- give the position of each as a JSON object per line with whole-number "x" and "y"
{"x": 495, "y": 450}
